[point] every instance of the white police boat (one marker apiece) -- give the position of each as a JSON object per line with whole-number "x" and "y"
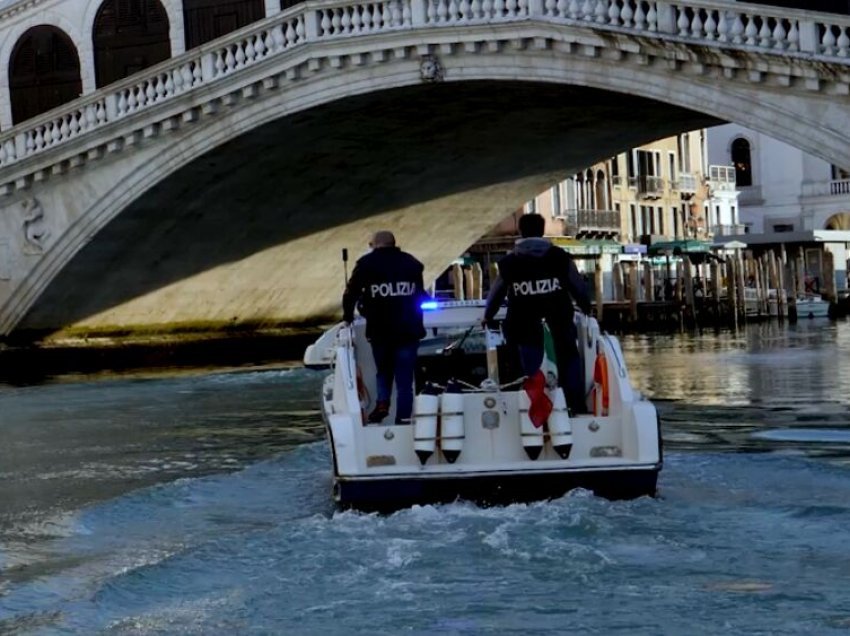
{"x": 472, "y": 437}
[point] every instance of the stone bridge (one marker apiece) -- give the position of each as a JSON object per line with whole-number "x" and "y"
{"x": 218, "y": 188}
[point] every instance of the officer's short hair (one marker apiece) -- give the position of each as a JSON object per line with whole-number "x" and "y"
{"x": 382, "y": 238}
{"x": 531, "y": 225}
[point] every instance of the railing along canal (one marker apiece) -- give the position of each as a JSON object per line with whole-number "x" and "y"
{"x": 745, "y": 27}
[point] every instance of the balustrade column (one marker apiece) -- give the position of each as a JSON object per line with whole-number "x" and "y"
{"x": 21, "y": 145}
{"x": 418, "y": 12}
{"x": 208, "y": 71}
{"x": 666, "y": 18}
{"x": 809, "y": 39}
{"x": 111, "y": 102}
{"x": 312, "y": 22}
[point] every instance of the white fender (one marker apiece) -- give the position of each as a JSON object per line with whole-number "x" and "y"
{"x": 532, "y": 436}
{"x": 451, "y": 425}
{"x": 560, "y": 428}
{"x": 425, "y": 411}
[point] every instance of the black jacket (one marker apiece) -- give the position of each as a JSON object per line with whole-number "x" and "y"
{"x": 540, "y": 281}
{"x": 388, "y": 284}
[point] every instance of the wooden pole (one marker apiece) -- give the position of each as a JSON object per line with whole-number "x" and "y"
{"x": 600, "y": 292}
{"x": 715, "y": 289}
{"x": 457, "y": 281}
{"x": 739, "y": 274}
{"x": 801, "y": 274}
{"x": 781, "y": 292}
{"x": 689, "y": 286}
{"x": 493, "y": 271}
{"x": 633, "y": 283}
{"x": 732, "y": 288}
{"x": 648, "y": 282}
{"x": 828, "y": 275}
{"x": 617, "y": 275}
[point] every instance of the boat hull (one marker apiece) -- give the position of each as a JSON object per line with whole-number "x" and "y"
{"x": 393, "y": 493}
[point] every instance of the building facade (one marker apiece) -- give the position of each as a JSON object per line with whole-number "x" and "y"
{"x": 788, "y": 198}
{"x": 618, "y": 209}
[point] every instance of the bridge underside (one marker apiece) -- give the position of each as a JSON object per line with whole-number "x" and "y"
{"x": 251, "y": 233}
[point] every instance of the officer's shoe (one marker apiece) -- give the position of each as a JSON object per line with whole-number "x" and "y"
{"x": 402, "y": 420}
{"x": 382, "y": 409}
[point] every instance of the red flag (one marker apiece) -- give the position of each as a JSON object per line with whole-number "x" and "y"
{"x": 541, "y": 405}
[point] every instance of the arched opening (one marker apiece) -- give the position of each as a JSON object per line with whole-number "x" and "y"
{"x": 601, "y": 191}
{"x": 742, "y": 161}
{"x": 44, "y": 72}
{"x": 128, "y": 36}
{"x": 206, "y": 20}
{"x": 840, "y": 221}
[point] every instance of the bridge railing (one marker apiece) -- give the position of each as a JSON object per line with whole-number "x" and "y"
{"x": 716, "y": 23}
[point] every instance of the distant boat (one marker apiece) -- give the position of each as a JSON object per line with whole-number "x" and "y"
{"x": 472, "y": 436}
{"x": 812, "y": 306}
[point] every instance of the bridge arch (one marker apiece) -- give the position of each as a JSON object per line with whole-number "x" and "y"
{"x": 672, "y": 99}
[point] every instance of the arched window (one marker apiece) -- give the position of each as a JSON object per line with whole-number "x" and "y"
{"x": 742, "y": 162}
{"x": 128, "y": 35}
{"x": 601, "y": 191}
{"x": 206, "y": 20}
{"x": 44, "y": 72}
{"x": 580, "y": 192}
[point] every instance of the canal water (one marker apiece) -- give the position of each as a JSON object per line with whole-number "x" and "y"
{"x": 199, "y": 504}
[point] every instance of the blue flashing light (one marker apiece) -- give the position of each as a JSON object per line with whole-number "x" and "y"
{"x": 430, "y": 305}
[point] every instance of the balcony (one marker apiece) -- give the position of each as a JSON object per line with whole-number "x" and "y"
{"x": 728, "y": 230}
{"x": 647, "y": 187}
{"x": 592, "y": 223}
{"x": 835, "y": 188}
{"x": 686, "y": 183}
{"x": 721, "y": 178}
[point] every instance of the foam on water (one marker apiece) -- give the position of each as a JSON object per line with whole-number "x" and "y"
{"x": 262, "y": 550}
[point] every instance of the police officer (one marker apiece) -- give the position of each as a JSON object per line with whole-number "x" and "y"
{"x": 388, "y": 285}
{"x": 540, "y": 282}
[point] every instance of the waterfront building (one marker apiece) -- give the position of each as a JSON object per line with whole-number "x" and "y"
{"x": 788, "y": 200}
{"x": 632, "y": 207}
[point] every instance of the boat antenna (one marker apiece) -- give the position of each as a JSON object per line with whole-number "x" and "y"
{"x": 345, "y": 263}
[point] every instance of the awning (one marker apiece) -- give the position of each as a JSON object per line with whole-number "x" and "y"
{"x": 675, "y": 248}
{"x": 588, "y": 247}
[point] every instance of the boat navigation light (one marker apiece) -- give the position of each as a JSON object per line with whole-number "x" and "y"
{"x": 428, "y": 305}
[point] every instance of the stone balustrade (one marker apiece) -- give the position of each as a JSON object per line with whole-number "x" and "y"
{"x": 725, "y": 25}
{"x": 834, "y": 188}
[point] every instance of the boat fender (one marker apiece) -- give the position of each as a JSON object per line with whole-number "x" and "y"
{"x": 600, "y": 396}
{"x": 531, "y": 435}
{"x": 560, "y": 428}
{"x": 452, "y": 431}
{"x": 426, "y": 407}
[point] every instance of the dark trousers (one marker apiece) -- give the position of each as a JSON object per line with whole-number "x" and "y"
{"x": 396, "y": 361}
{"x": 570, "y": 370}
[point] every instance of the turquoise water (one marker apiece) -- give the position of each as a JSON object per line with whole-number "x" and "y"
{"x": 201, "y": 505}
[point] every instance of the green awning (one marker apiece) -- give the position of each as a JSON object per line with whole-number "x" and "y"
{"x": 675, "y": 248}
{"x": 591, "y": 247}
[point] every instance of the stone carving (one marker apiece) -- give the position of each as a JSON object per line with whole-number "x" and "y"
{"x": 430, "y": 69}
{"x": 35, "y": 228}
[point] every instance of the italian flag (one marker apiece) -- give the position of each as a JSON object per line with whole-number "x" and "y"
{"x": 546, "y": 377}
